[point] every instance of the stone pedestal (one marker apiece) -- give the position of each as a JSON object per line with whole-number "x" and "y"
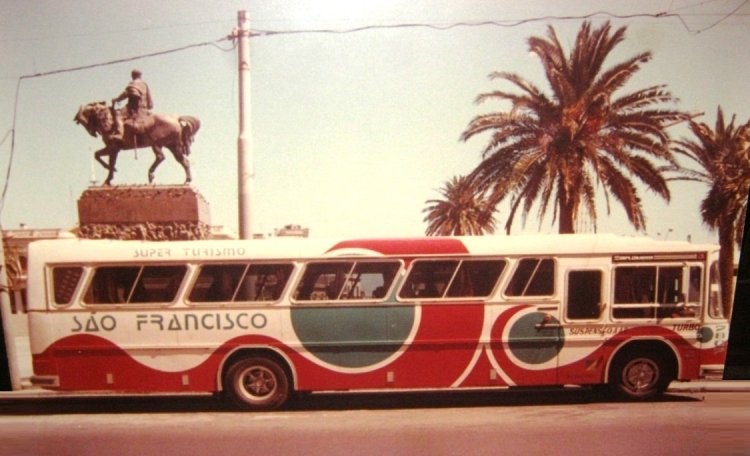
{"x": 147, "y": 212}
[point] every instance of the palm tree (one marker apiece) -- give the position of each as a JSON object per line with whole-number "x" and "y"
{"x": 564, "y": 145}
{"x": 723, "y": 155}
{"x": 462, "y": 212}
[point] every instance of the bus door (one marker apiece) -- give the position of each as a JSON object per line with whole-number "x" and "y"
{"x": 535, "y": 339}
{"x": 584, "y": 306}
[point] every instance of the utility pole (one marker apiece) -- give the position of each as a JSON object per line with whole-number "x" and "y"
{"x": 246, "y": 172}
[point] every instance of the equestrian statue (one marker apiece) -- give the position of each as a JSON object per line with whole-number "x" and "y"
{"x": 135, "y": 126}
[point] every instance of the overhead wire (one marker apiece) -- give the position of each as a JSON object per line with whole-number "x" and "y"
{"x": 267, "y": 33}
{"x": 692, "y": 5}
{"x": 129, "y": 59}
{"x": 727, "y": 16}
{"x": 504, "y": 23}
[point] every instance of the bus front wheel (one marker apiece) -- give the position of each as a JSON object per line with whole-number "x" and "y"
{"x": 257, "y": 384}
{"x": 639, "y": 377}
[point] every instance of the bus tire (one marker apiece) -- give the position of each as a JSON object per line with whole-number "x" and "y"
{"x": 639, "y": 377}
{"x": 257, "y": 383}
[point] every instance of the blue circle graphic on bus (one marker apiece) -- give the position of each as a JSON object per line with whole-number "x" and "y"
{"x": 536, "y": 338}
{"x": 353, "y": 337}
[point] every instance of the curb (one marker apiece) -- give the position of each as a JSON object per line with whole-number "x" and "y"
{"x": 737, "y": 386}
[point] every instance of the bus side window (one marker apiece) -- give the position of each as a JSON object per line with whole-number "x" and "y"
{"x": 111, "y": 284}
{"x": 349, "y": 281}
{"x": 428, "y": 279}
{"x": 696, "y": 284}
{"x": 322, "y": 281}
{"x": 715, "y": 309}
{"x": 584, "y": 295}
{"x": 635, "y": 292}
{"x": 264, "y": 282}
{"x": 158, "y": 284}
{"x": 476, "y": 278}
{"x": 217, "y": 282}
{"x": 135, "y": 284}
{"x": 669, "y": 291}
{"x": 64, "y": 282}
{"x": 370, "y": 280}
{"x": 533, "y": 277}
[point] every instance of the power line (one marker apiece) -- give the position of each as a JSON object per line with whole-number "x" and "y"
{"x": 129, "y": 59}
{"x": 114, "y": 32}
{"x": 731, "y": 13}
{"x": 265, "y": 33}
{"x": 504, "y": 23}
{"x": 669, "y": 13}
{"x": 693, "y": 5}
{"x": 447, "y": 26}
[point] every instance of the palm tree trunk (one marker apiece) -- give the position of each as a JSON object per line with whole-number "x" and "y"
{"x": 566, "y": 214}
{"x": 726, "y": 266}
{"x": 566, "y": 222}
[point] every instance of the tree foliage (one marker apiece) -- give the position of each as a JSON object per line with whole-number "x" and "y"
{"x": 463, "y": 211}
{"x": 722, "y": 155}
{"x": 557, "y": 149}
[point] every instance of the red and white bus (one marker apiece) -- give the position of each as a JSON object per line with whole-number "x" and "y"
{"x": 262, "y": 319}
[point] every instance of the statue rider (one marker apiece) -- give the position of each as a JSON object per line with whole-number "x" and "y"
{"x": 139, "y": 103}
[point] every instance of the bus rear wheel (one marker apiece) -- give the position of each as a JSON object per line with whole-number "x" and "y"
{"x": 639, "y": 377}
{"x": 257, "y": 384}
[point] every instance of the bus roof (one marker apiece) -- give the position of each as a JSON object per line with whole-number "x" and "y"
{"x": 81, "y": 250}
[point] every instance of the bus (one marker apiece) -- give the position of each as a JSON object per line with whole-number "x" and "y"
{"x": 257, "y": 321}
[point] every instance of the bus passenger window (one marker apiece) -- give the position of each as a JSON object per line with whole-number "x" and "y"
{"x": 428, "y": 279}
{"x": 158, "y": 284}
{"x": 64, "y": 282}
{"x": 696, "y": 284}
{"x": 635, "y": 292}
{"x": 476, "y": 278}
{"x": 347, "y": 281}
{"x": 111, "y": 284}
{"x": 670, "y": 285}
{"x": 135, "y": 284}
{"x": 370, "y": 279}
{"x": 217, "y": 282}
{"x": 533, "y": 277}
{"x": 323, "y": 281}
{"x": 669, "y": 295}
{"x": 656, "y": 292}
{"x": 584, "y": 295}
{"x": 264, "y": 282}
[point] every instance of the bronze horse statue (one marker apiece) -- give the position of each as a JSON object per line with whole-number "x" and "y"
{"x": 155, "y": 131}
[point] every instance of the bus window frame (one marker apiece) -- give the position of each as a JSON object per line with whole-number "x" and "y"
{"x": 234, "y": 303}
{"x": 410, "y": 270}
{"x": 602, "y": 295}
{"x": 295, "y": 282}
{"x": 49, "y": 281}
{"x": 177, "y": 298}
{"x": 713, "y": 298}
{"x": 546, "y": 297}
{"x": 654, "y": 306}
{"x": 445, "y": 297}
{"x": 196, "y": 275}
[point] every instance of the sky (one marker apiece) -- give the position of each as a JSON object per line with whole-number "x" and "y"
{"x": 352, "y": 132}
